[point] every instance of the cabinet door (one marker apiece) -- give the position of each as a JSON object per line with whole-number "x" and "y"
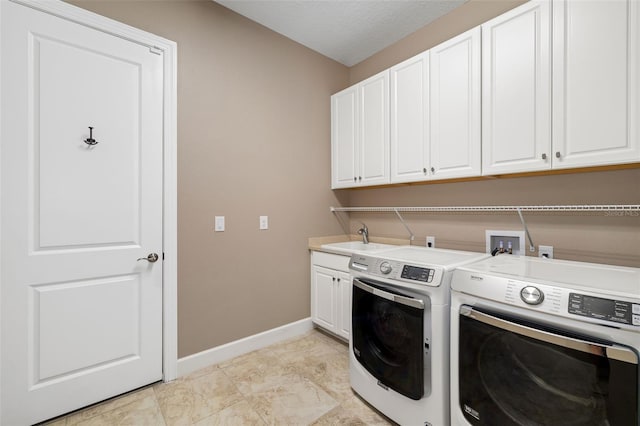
{"x": 455, "y": 107}
{"x": 409, "y": 102}
{"x": 516, "y": 90}
{"x": 374, "y": 130}
{"x": 323, "y": 298}
{"x": 344, "y": 305}
{"x": 344, "y": 138}
{"x": 595, "y": 75}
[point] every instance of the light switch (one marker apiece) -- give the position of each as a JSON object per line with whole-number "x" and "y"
{"x": 219, "y": 226}
{"x": 264, "y": 222}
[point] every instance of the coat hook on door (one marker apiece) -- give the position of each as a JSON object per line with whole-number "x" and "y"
{"x": 90, "y": 140}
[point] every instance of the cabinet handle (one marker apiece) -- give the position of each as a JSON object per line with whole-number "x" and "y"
{"x": 557, "y": 154}
{"x": 355, "y": 179}
{"x": 544, "y": 156}
{"x": 338, "y": 279}
{"x": 424, "y": 170}
{"x": 333, "y": 279}
{"x": 359, "y": 177}
{"x": 433, "y": 170}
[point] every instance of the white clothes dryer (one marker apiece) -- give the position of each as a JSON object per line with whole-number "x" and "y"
{"x": 541, "y": 342}
{"x": 399, "y": 344}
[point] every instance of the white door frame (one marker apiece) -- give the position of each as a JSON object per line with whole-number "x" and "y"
{"x": 170, "y": 241}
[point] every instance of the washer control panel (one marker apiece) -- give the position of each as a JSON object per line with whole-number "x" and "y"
{"x": 417, "y": 273}
{"x": 396, "y": 270}
{"x": 604, "y": 309}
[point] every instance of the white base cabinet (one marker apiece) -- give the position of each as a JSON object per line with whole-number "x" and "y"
{"x": 331, "y": 293}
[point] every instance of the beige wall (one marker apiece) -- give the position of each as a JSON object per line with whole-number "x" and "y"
{"x": 467, "y": 16}
{"x": 253, "y": 139}
{"x": 600, "y": 238}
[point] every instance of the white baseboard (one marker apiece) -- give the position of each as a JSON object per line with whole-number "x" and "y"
{"x": 230, "y": 350}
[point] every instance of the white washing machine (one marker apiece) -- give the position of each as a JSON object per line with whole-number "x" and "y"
{"x": 541, "y": 342}
{"x": 399, "y": 343}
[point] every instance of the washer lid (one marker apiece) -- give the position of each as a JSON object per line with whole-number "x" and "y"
{"x": 599, "y": 278}
{"x": 424, "y": 256}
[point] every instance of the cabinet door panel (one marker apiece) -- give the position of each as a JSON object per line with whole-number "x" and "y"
{"x": 455, "y": 107}
{"x": 409, "y": 101}
{"x": 344, "y": 312}
{"x": 595, "y": 82}
{"x": 323, "y": 309}
{"x": 516, "y": 90}
{"x": 344, "y": 138}
{"x": 374, "y": 130}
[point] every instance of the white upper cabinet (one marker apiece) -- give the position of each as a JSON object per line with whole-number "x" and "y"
{"x": 409, "y": 119}
{"x": 596, "y": 54}
{"x": 454, "y": 124}
{"x": 344, "y": 138}
{"x": 360, "y": 134}
{"x": 546, "y": 85}
{"x": 516, "y": 90}
{"x": 373, "y": 94}
{"x": 435, "y": 112}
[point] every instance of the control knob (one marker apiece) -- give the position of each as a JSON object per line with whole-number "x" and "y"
{"x": 531, "y": 295}
{"x": 385, "y": 268}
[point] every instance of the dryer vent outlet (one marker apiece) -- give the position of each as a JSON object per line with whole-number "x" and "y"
{"x": 510, "y": 242}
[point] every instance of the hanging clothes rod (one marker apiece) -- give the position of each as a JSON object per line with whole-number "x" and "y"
{"x": 567, "y": 208}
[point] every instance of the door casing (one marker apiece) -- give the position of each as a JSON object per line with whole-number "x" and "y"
{"x": 169, "y": 245}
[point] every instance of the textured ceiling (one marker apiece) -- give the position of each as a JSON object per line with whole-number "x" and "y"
{"x": 345, "y": 30}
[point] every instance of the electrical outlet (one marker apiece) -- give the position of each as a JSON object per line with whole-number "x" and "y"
{"x": 545, "y": 251}
{"x": 219, "y": 224}
{"x": 264, "y": 222}
{"x": 431, "y": 242}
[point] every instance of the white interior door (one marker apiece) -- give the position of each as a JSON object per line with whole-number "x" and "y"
{"x": 81, "y": 317}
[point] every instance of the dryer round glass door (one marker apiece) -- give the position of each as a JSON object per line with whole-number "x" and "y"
{"x": 388, "y": 336}
{"x": 515, "y": 373}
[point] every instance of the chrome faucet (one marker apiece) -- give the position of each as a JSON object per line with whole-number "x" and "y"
{"x": 364, "y": 231}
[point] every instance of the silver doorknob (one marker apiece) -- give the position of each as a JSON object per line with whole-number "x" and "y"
{"x": 153, "y": 257}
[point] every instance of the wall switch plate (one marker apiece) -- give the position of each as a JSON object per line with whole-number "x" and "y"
{"x": 264, "y": 222}
{"x": 431, "y": 242}
{"x": 545, "y": 251}
{"x": 219, "y": 224}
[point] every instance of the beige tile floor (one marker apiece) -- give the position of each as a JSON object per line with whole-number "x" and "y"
{"x": 302, "y": 381}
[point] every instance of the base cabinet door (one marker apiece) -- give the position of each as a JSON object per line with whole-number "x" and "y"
{"x": 324, "y": 310}
{"x": 595, "y": 82}
{"x": 331, "y": 293}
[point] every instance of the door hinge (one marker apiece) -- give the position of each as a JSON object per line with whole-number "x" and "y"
{"x": 155, "y": 50}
